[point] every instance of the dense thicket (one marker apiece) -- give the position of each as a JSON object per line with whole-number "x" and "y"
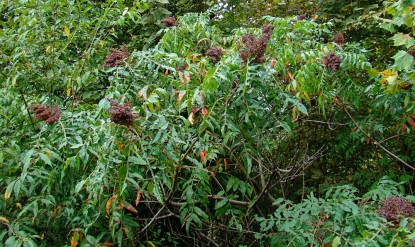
{"x": 136, "y": 123}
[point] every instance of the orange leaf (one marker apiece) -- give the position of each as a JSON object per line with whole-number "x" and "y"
{"x": 125, "y": 230}
{"x": 411, "y": 122}
{"x": 131, "y": 209}
{"x": 74, "y": 240}
{"x": 273, "y": 63}
{"x": 109, "y": 204}
{"x": 203, "y": 154}
{"x": 205, "y": 111}
{"x": 412, "y": 116}
{"x": 137, "y": 200}
{"x": 404, "y": 128}
{"x": 225, "y": 162}
{"x": 107, "y": 244}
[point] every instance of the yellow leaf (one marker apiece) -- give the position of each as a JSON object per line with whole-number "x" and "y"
{"x": 191, "y": 119}
{"x": 3, "y": 219}
{"x": 67, "y": 31}
{"x": 7, "y": 194}
{"x": 109, "y": 204}
{"x": 151, "y": 244}
{"x": 68, "y": 92}
{"x": 19, "y": 205}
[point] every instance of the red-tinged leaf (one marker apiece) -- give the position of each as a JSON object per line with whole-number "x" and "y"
{"x": 202, "y": 97}
{"x": 121, "y": 206}
{"x": 107, "y": 244}
{"x": 354, "y": 129}
{"x": 412, "y": 116}
{"x": 166, "y": 72}
{"x": 405, "y": 87}
{"x": 205, "y": 111}
{"x": 404, "y": 128}
{"x": 181, "y": 77}
{"x": 187, "y": 76}
{"x": 125, "y": 230}
{"x": 225, "y": 162}
{"x": 411, "y": 122}
{"x": 109, "y": 204}
{"x": 367, "y": 140}
{"x": 180, "y": 96}
{"x": 137, "y": 200}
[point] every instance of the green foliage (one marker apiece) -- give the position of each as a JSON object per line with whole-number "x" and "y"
{"x": 339, "y": 219}
{"x": 214, "y": 140}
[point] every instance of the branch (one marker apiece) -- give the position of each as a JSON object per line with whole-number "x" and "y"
{"x": 211, "y": 197}
{"x": 377, "y": 143}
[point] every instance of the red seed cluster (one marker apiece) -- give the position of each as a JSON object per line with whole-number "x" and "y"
{"x": 116, "y": 57}
{"x": 394, "y": 208}
{"x": 121, "y": 113}
{"x": 301, "y": 17}
{"x": 169, "y": 21}
{"x": 254, "y": 47}
{"x": 339, "y": 38}
{"x": 182, "y": 67}
{"x": 215, "y": 53}
{"x": 46, "y": 113}
{"x": 332, "y": 61}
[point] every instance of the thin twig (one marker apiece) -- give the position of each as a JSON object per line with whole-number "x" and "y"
{"x": 377, "y": 143}
{"x": 28, "y": 112}
{"x": 152, "y": 220}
